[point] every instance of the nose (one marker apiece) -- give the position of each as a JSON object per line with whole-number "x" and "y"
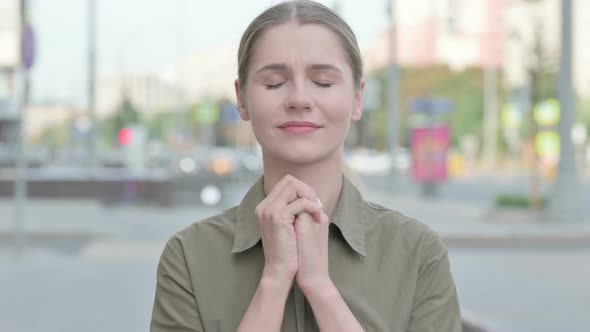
{"x": 298, "y": 98}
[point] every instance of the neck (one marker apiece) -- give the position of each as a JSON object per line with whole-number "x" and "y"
{"x": 324, "y": 176}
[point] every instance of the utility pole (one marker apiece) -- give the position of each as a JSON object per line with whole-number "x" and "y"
{"x": 490, "y": 139}
{"x": 181, "y": 68}
{"x": 93, "y": 133}
{"x": 26, "y": 56}
{"x": 490, "y": 115}
{"x": 392, "y": 85}
{"x": 566, "y": 203}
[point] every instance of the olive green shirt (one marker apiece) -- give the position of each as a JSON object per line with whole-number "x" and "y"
{"x": 392, "y": 271}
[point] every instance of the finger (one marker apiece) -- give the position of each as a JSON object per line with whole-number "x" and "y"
{"x": 325, "y": 218}
{"x": 270, "y": 199}
{"x": 303, "y": 205}
{"x": 320, "y": 218}
{"x": 294, "y": 189}
{"x": 286, "y": 191}
{"x": 276, "y": 189}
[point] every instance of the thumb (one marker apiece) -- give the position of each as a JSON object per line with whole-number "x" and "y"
{"x": 325, "y": 218}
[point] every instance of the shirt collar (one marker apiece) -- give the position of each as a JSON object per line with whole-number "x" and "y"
{"x": 349, "y": 217}
{"x": 247, "y": 234}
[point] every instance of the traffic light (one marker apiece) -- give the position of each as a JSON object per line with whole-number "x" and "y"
{"x": 132, "y": 140}
{"x": 125, "y": 136}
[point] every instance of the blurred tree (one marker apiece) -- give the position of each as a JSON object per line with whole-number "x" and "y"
{"x": 464, "y": 88}
{"x": 55, "y": 137}
{"x": 542, "y": 72}
{"x": 161, "y": 125}
{"x": 107, "y": 131}
{"x": 191, "y": 120}
{"x": 584, "y": 112}
{"x": 125, "y": 115}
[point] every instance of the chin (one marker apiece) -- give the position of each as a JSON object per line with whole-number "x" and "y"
{"x": 297, "y": 155}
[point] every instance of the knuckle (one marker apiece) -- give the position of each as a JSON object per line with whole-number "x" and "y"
{"x": 296, "y": 204}
{"x": 289, "y": 179}
{"x": 261, "y": 212}
{"x": 258, "y": 210}
{"x": 268, "y": 214}
{"x": 305, "y": 203}
{"x": 310, "y": 206}
{"x": 293, "y": 208}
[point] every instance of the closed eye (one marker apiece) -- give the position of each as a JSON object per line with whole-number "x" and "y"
{"x": 274, "y": 86}
{"x": 323, "y": 85}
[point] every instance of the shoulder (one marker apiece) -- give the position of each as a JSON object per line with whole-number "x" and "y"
{"x": 402, "y": 231}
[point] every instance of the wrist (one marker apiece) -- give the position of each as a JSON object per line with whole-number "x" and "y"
{"x": 266, "y": 310}
{"x": 276, "y": 282}
{"x": 318, "y": 288}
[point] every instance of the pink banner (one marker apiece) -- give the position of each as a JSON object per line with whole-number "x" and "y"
{"x": 429, "y": 153}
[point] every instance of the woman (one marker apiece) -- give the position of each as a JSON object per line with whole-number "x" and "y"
{"x": 303, "y": 251}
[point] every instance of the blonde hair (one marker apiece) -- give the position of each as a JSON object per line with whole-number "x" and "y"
{"x": 303, "y": 12}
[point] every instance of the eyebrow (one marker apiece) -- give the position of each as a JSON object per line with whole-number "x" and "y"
{"x": 322, "y": 66}
{"x": 273, "y": 67}
{"x": 283, "y": 67}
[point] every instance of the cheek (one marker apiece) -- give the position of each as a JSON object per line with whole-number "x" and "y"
{"x": 262, "y": 106}
{"x": 338, "y": 110}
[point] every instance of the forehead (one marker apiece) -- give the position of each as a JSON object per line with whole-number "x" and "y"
{"x": 293, "y": 43}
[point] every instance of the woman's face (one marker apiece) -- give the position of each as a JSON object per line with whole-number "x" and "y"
{"x": 300, "y": 94}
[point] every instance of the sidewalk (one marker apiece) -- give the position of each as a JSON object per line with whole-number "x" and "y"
{"x": 459, "y": 222}
{"x": 74, "y": 226}
{"x": 479, "y": 224}
{"x": 111, "y": 256}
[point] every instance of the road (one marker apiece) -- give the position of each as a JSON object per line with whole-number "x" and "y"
{"x": 110, "y": 286}
{"x": 100, "y": 274}
{"x": 514, "y": 290}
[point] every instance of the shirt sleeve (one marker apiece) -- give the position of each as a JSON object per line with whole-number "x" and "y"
{"x": 175, "y": 306}
{"x": 436, "y": 306}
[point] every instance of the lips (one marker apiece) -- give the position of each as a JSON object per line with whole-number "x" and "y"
{"x": 299, "y": 127}
{"x": 299, "y": 124}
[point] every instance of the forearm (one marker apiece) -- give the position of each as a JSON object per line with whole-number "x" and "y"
{"x": 330, "y": 310}
{"x": 265, "y": 312}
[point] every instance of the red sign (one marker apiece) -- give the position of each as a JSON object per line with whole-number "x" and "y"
{"x": 125, "y": 136}
{"x": 429, "y": 153}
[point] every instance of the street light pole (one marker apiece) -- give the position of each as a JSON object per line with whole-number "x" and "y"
{"x": 20, "y": 102}
{"x": 93, "y": 132}
{"x": 490, "y": 115}
{"x": 566, "y": 204}
{"x": 392, "y": 86}
{"x": 491, "y": 67}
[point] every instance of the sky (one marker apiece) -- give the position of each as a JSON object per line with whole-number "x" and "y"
{"x": 150, "y": 35}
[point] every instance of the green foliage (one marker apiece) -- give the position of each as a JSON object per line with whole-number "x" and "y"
{"x": 542, "y": 69}
{"x": 464, "y": 88}
{"x": 55, "y": 136}
{"x": 161, "y": 125}
{"x": 125, "y": 115}
{"x": 516, "y": 201}
{"x": 542, "y": 73}
{"x": 466, "y": 91}
{"x": 108, "y": 132}
{"x": 377, "y": 126}
{"x": 583, "y": 114}
{"x": 191, "y": 120}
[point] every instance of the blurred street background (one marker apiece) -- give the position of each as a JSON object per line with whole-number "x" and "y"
{"x": 118, "y": 127}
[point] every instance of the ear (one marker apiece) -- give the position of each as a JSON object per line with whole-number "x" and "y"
{"x": 241, "y": 102}
{"x": 358, "y": 102}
